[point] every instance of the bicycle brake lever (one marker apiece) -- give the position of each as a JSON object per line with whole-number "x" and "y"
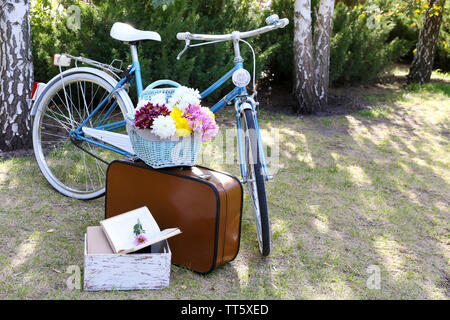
{"x": 184, "y": 50}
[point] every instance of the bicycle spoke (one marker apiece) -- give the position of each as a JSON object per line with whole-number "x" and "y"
{"x": 104, "y": 109}
{"x": 71, "y": 120}
{"x": 63, "y": 124}
{"x": 67, "y": 103}
{"x": 53, "y": 135}
{"x": 45, "y": 125}
{"x": 100, "y": 176}
{"x": 92, "y": 100}
{"x": 76, "y": 168}
{"x": 85, "y": 171}
{"x": 73, "y": 104}
{"x": 56, "y": 105}
{"x": 74, "y": 107}
{"x": 85, "y": 103}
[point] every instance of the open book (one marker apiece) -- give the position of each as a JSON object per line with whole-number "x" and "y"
{"x": 134, "y": 230}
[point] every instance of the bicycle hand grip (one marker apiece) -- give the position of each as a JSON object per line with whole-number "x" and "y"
{"x": 182, "y": 35}
{"x": 284, "y": 22}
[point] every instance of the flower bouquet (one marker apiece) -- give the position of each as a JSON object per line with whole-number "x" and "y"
{"x": 167, "y": 130}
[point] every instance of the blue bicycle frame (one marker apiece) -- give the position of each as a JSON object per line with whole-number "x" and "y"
{"x": 134, "y": 72}
{"x": 234, "y": 95}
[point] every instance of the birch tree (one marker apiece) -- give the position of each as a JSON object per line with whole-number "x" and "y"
{"x": 422, "y": 65}
{"x": 312, "y": 54}
{"x": 16, "y": 75}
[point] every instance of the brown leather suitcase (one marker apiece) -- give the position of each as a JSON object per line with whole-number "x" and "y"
{"x": 205, "y": 204}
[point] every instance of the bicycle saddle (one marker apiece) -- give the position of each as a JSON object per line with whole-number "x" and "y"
{"x": 126, "y": 33}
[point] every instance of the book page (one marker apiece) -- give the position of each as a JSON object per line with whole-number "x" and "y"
{"x": 165, "y": 234}
{"x": 120, "y": 229}
{"x": 154, "y": 238}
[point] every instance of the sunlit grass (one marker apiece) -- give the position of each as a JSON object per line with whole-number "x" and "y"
{"x": 350, "y": 191}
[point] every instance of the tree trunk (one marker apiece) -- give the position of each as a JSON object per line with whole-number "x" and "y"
{"x": 16, "y": 75}
{"x": 322, "y": 44}
{"x": 312, "y": 55}
{"x": 422, "y": 65}
{"x": 304, "y": 86}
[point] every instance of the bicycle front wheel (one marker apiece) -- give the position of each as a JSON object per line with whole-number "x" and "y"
{"x": 74, "y": 167}
{"x": 255, "y": 181}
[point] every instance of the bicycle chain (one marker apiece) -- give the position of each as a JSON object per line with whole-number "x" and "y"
{"x": 88, "y": 152}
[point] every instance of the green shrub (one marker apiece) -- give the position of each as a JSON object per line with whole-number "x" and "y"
{"x": 407, "y": 27}
{"x": 360, "y": 46}
{"x": 360, "y": 49}
{"x": 198, "y": 67}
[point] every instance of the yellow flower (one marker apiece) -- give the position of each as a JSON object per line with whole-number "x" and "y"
{"x": 182, "y": 124}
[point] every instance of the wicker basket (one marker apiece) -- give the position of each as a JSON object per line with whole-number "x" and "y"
{"x": 156, "y": 152}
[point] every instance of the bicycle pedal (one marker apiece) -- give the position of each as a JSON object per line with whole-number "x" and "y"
{"x": 269, "y": 178}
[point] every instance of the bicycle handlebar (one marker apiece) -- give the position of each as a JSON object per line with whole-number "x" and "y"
{"x": 281, "y": 23}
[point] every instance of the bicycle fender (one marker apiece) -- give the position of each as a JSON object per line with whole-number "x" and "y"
{"x": 126, "y": 99}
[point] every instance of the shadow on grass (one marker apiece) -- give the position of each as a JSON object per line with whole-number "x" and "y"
{"x": 354, "y": 190}
{"x": 371, "y": 189}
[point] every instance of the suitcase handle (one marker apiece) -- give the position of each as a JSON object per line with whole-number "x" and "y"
{"x": 200, "y": 174}
{"x": 196, "y": 171}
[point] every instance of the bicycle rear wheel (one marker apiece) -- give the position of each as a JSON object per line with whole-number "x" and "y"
{"x": 255, "y": 181}
{"x": 74, "y": 167}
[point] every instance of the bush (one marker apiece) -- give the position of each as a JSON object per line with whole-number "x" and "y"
{"x": 364, "y": 41}
{"x": 360, "y": 49}
{"x": 198, "y": 67}
{"x": 407, "y": 26}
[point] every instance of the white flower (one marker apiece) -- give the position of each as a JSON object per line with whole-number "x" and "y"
{"x": 158, "y": 99}
{"x": 164, "y": 127}
{"x": 183, "y": 97}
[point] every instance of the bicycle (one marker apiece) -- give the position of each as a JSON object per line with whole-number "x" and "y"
{"x": 79, "y": 118}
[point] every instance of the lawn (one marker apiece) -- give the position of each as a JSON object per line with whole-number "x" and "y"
{"x": 352, "y": 193}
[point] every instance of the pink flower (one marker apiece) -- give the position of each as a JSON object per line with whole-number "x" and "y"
{"x": 140, "y": 239}
{"x": 201, "y": 121}
{"x": 210, "y": 130}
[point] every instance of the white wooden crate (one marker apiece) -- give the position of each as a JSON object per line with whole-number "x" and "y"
{"x": 128, "y": 271}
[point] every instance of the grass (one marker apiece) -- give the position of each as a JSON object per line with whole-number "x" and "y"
{"x": 350, "y": 191}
